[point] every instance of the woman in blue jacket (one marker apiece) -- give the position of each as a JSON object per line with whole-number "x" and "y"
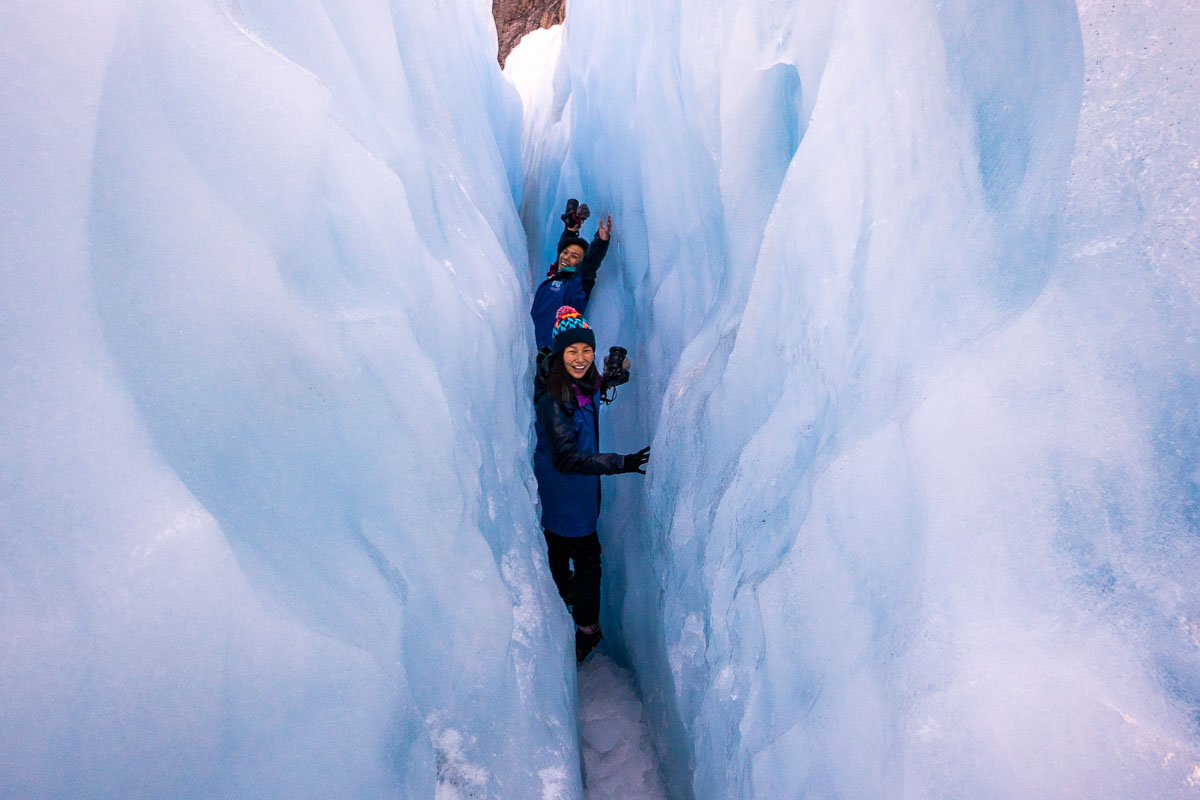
{"x": 568, "y": 466}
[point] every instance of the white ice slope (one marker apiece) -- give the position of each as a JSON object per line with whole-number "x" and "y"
{"x": 266, "y": 527}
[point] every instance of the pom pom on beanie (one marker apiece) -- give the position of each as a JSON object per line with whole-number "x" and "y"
{"x": 571, "y": 328}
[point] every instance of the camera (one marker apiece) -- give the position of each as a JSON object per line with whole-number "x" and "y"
{"x": 577, "y": 214}
{"x": 616, "y": 366}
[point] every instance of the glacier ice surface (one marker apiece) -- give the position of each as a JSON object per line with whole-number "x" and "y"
{"x": 911, "y": 297}
{"x": 912, "y": 301}
{"x": 268, "y": 528}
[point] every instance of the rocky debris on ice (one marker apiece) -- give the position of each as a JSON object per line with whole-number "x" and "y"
{"x": 515, "y": 18}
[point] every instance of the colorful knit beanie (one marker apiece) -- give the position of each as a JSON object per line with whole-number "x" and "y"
{"x": 571, "y": 328}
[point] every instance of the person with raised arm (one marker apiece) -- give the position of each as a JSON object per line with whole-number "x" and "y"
{"x": 572, "y": 276}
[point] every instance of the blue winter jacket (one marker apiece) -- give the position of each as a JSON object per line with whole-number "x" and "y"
{"x": 560, "y": 290}
{"x": 568, "y": 465}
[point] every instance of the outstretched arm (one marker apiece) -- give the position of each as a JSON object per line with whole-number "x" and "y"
{"x": 559, "y": 427}
{"x": 568, "y": 233}
{"x": 595, "y": 254}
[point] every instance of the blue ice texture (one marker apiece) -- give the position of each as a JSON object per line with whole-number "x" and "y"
{"x": 911, "y": 295}
{"x": 268, "y": 527}
{"x": 913, "y": 300}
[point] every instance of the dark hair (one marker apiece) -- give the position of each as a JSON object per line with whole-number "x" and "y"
{"x": 574, "y": 240}
{"x": 559, "y": 381}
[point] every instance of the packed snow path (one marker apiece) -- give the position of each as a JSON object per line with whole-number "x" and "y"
{"x": 618, "y": 756}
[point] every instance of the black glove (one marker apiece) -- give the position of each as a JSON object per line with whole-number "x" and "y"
{"x": 635, "y": 461}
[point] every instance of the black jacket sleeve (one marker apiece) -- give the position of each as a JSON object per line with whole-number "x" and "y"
{"x": 567, "y": 235}
{"x": 591, "y": 264}
{"x": 559, "y": 427}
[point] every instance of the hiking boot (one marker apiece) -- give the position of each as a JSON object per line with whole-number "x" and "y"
{"x": 586, "y": 643}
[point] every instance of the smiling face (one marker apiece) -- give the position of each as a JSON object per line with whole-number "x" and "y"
{"x": 570, "y": 257}
{"x": 577, "y": 358}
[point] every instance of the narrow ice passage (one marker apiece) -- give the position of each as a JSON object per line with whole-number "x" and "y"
{"x": 911, "y": 296}
{"x": 617, "y": 753}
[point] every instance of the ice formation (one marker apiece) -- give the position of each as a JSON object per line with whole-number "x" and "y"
{"x": 911, "y": 295}
{"x": 266, "y": 510}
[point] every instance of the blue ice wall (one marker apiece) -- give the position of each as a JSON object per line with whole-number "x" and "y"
{"x": 911, "y": 296}
{"x": 266, "y": 525}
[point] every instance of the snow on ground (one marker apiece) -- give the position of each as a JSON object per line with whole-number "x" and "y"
{"x": 618, "y": 757}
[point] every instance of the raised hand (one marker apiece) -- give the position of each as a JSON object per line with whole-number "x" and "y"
{"x": 605, "y": 229}
{"x": 635, "y": 461}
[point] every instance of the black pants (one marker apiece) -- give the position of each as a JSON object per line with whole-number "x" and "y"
{"x": 584, "y": 589}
